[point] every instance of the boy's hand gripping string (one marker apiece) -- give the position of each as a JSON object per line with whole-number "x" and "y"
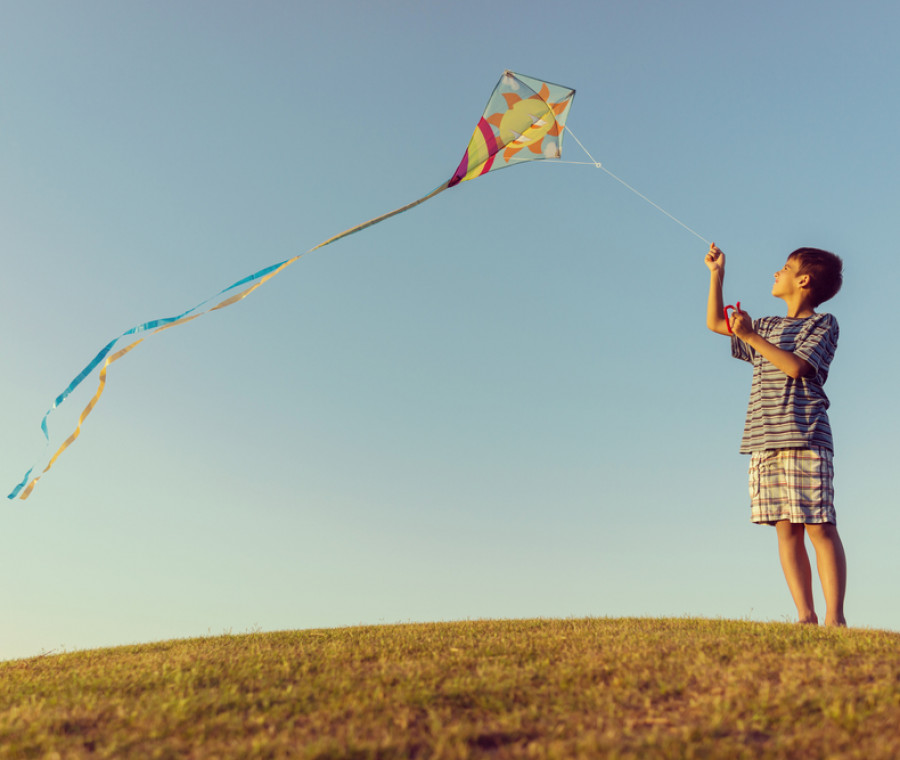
{"x": 727, "y": 318}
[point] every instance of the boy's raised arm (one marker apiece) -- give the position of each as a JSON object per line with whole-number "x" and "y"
{"x": 715, "y": 317}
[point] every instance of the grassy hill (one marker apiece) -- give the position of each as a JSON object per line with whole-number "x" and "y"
{"x": 616, "y": 688}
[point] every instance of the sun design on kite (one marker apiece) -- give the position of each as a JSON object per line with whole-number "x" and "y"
{"x": 512, "y": 123}
{"x": 526, "y": 122}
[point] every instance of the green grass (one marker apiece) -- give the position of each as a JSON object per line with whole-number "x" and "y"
{"x": 611, "y": 688}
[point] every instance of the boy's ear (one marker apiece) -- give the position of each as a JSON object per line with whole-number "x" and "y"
{"x": 803, "y": 280}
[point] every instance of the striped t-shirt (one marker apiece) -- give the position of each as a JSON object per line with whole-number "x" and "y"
{"x": 785, "y": 413}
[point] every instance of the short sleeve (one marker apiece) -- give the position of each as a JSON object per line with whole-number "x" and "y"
{"x": 817, "y": 342}
{"x": 739, "y": 349}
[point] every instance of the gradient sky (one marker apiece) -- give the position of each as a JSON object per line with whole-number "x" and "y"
{"x": 503, "y": 403}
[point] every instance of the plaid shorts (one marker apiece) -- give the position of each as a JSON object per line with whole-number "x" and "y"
{"x": 792, "y": 484}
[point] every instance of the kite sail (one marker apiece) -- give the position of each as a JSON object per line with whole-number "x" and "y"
{"x": 524, "y": 120}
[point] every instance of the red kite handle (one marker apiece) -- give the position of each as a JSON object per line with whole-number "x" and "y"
{"x": 727, "y": 320}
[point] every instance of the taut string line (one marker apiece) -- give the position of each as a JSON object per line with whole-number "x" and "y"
{"x": 639, "y": 194}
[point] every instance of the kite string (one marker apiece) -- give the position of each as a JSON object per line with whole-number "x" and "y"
{"x": 639, "y": 194}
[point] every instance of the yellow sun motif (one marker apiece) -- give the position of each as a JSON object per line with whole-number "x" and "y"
{"x": 526, "y": 122}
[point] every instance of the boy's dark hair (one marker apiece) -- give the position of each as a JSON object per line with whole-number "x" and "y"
{"x": 825, "y": 270}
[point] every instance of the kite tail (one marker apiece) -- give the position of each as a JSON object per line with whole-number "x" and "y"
{"x": 71, "y": 439}
{"x": 23, "y": 489}
{"x": 360, "y": 227}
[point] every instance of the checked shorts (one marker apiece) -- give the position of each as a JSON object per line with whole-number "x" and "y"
{"x": 792, "y": 484}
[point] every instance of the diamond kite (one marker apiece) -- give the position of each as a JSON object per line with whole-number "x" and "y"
{"x": 524, "y": 120}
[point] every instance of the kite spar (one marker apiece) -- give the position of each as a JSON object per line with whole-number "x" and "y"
{"x": 524, "y": 120}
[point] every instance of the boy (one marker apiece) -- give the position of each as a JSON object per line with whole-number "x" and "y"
{"x": 787, "y": 433}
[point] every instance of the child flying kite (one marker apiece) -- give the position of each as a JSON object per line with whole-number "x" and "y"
{"x": 787, "y": 433}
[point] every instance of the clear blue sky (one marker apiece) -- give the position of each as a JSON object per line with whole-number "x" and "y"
{"x": 503, "y": 403}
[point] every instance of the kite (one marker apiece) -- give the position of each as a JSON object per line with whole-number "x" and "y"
{"x": 524, "y": 120}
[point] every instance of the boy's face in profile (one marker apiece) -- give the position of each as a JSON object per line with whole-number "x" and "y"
{"x": 787, "y": 280}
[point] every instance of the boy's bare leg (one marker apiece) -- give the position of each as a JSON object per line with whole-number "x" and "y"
{"x": 797, "y": 570}
{"x": 832, "y": 565}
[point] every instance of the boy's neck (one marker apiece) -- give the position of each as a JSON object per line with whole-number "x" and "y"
{"x": 799, "y": 308}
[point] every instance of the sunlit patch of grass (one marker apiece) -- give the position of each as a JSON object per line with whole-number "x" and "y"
{"x": 618, "y": 688}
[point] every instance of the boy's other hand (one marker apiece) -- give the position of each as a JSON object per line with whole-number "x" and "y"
{"x": 715, "y": 259}
{"x": 741, "y": 324}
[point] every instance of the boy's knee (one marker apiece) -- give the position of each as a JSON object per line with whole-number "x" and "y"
{"x": 821, "y": 530}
